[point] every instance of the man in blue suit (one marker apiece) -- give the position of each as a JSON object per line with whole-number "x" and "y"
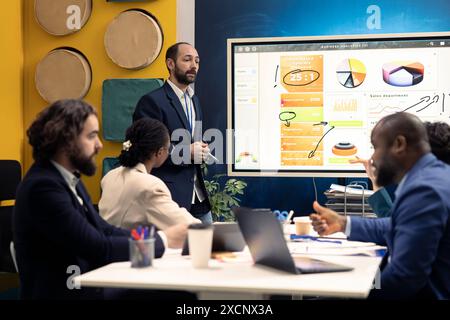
{"x": 176, "y": 105}
{"x": 418, "y": 233}
{"x": 57, "y": 231}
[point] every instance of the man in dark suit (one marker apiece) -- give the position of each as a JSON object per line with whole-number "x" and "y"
{"x": 176, "y": 105}
{"x": 57, "y": 231}
{"x": 418, "y": 233}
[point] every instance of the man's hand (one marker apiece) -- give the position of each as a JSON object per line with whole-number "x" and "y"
{"x": 199, "y": 152}
{"x": 370, "y": 170}
{"x": 326, "y": 221}
{"x": 176, "y": 235}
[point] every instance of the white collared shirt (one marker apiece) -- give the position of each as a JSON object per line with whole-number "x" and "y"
{"x": 70, "y": 179}
{"x": 185, "y": 98}
{"x": 188, "y": 105}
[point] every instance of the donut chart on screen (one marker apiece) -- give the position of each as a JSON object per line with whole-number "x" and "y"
{"x": 351, "y": 73}
{"x": 403, "y": 73}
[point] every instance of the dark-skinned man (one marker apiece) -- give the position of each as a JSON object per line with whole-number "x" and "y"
{"x": 418, "y": 233}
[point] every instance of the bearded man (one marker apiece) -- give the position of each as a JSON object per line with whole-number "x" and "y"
{"x": 57, "y": 232}
{"x": 417, "y": 235}
{"x": 176, "y": 105}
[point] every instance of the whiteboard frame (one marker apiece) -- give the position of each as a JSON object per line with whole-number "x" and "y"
{"x": 276, "y": 173}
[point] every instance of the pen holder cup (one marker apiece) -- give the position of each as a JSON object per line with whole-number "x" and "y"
{"x": 142, "y": 253}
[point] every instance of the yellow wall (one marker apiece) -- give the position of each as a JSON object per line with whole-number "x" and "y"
{"x": 11, "y": 57}
{"x": 89, "y": 40}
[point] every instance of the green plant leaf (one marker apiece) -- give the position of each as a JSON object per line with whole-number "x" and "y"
{"x": 222, "y": 195}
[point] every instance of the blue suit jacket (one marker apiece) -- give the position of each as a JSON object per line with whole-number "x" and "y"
{"x": 164, "y": 105}
{"x": 417, "y": 235}
{"x": 53, "y": 231}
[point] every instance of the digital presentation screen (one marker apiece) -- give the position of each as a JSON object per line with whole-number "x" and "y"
{"x": 306, "y": 106}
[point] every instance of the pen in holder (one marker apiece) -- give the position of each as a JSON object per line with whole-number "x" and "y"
{"x": 142, "y": 252}
{"x": 142, "y": 249}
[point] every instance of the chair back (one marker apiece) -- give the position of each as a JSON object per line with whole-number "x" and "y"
{"x": 10, "y": 176}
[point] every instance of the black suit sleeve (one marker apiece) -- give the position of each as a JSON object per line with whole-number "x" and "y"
{"x": 110, "y": 230}
{"x": 58, "y": 219}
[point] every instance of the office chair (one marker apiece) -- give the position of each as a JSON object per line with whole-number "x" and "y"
{"x": 10, "y": 173}
{"x": 13, "y": 255}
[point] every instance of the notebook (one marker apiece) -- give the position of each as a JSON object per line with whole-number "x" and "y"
{"x": 264, "y": 236}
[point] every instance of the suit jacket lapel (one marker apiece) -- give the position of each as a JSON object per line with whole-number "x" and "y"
{"x": 198, "y": 131}
{"x": 198, "y": 111}
{"x": 87, "y": 210}
{"x": 90, "y": 210}
{"x": 176, "y": 104}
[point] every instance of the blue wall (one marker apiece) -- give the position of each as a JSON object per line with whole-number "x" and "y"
{"x": 215, "y": 21}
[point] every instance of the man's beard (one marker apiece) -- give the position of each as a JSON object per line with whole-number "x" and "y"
{"x": 387, "y": 172}
{"x": 183, "y": 77}
{"x": 84, "y": 164}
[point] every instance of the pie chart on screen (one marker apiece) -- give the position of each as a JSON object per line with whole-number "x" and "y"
{"x": 403, "y": 73}
{"x": 351, "y": 73}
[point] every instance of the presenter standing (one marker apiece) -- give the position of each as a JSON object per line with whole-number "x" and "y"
{"x": 176, "y": 105}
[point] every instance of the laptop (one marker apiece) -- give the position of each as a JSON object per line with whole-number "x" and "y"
{"x": 264, "y": 236}
{"x": 226, "y": 237}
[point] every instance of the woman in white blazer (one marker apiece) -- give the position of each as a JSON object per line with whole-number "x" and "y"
{"x": 131, "y": 195}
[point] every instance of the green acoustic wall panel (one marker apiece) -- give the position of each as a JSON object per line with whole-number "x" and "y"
{"x": 119, "y": 100}
{"x": 109, "y": 164}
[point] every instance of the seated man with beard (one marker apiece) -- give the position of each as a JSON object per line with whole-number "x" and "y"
{"x": 417, "y": 234}
{"x": 57, "y": 232}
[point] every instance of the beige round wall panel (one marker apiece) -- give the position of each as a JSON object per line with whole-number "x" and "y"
{"x": 63, "y": 73}
{"x": 62, "y": 17}
{"x": 133, "y": 40}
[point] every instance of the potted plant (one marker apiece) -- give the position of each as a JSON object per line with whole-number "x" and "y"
{"x": 223, "y": 195}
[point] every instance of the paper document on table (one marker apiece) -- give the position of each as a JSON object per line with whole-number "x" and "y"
{"x": 233, "y": 257}
{"x": 350, "y": 190}
{"x": 334, "y": 248}
{"x": 374, "y": 251}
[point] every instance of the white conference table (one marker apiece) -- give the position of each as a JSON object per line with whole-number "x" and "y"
{"x": 239, "y": 279}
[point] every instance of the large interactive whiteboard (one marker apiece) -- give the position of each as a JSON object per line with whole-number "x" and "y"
{"x": 305, "y": 106}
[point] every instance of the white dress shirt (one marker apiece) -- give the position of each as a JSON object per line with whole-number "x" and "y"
{"x": 70, "y": 179}
{"x": 186, "y": 101}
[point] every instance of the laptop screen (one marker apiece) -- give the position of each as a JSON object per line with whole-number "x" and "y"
{"x": 264, "y": 236}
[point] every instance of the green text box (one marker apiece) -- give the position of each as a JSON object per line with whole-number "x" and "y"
{"x": 347, "y": 123}
{"x": 303, "y": 114}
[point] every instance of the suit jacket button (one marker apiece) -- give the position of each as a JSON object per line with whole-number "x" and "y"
{"x": 192, "y": 179}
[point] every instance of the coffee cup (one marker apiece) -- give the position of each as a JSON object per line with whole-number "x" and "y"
{"x": 302, "y": 225}
{"x": 200, "y": 244}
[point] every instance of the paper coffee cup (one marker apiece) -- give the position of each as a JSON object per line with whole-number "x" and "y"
{"x": 200, "y": 244}
{"x": 302, "y": 225}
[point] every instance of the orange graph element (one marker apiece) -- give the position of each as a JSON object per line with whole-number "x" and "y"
{"x": 301, "y": 129}
{"x": 300, "y": 158}
{"x": 358, "y": 78}
{"x": 303, "y": 73}
{"x": 302, "y": 100}
{"x": 343, "y": 105}
{"x": 344, "y": 152}
{"x": 300, "y": 144}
